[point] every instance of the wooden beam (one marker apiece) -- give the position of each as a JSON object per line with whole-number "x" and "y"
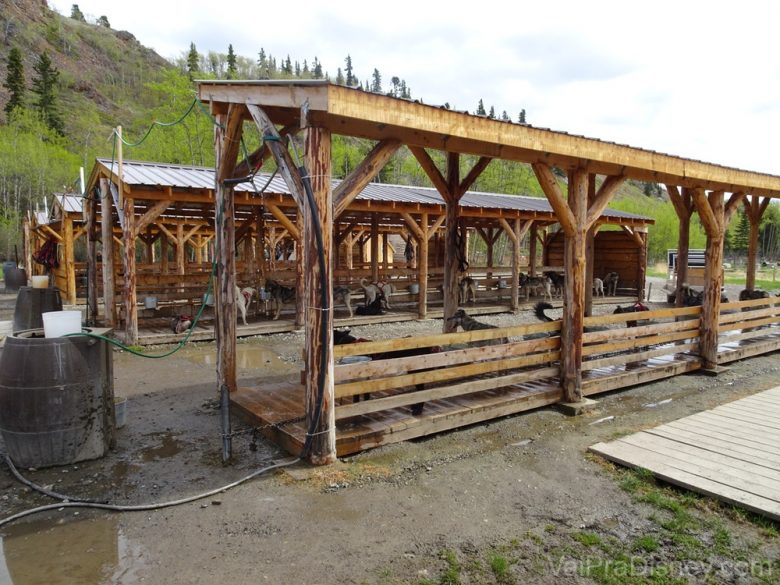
{"x": 708, "y": 219}
{"x": 413, "y": 227}
{"x": 732, "y": 205}
{"x": 168, "y": 233}
{"x": 363, "y": 174}
{"x": 256, "y": 159}
{"x": 285, "y": 222}
{"x": 284, "y": 161}
{"x": 92, "y": 288}
{"x": 128, "y": 255}
{"x": 150, "y": 216}
{"x": 474, "y": 174}
{"x": 636, "y": 236}
{"x": 430, "y": 168}
{"x": 107, "y": 254}
{"x": 553, "y": 193}
{"x": 713, "y": 277}
{"x": 319, "y": 386}
{"x": 603, "y": 197}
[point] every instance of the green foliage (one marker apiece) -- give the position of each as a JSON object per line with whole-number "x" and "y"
{"x": 481, "y": 109}
{"x": 76, "y": 14}
{"x": 45, "y": 88}
{"x": 587, "y": 538}
{"x": 14, "y": 81}
{"x": 231, "y": 63}
{"x": 741, "y": 234}
{"x": 193, "y": 62}
{"x": 103, "y": 21}
{"x": 350, "y": 80}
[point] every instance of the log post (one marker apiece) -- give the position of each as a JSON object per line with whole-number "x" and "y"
{"x": 129, "y": 294}
{"x": 107, "y": 254}
{"x": 181, "y": 267}
{"x": 319, "y": 390}
{"x": 683, "y": 206}
{"x": 227, "y": 134}
{"x": 300, "y": 271}
{"x": 164, "y": 261}
{"x": 642, "y": 233}
{"x": 532, "y": 249}
{"x": 711, "y": 212}
{"x": 589, "y": 250}
{"x": 374, "y": 248}
{"x": 92, "y": 288}
{"x": 70, "y": 265}
{"x": 754, "y": 209}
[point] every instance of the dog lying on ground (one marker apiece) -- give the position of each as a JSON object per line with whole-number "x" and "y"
{"x": 280, "y": 295}
{"x": 539, "y": 311}
{"x": 694, "y": 298}
{"x": 467, "y": 287}
{"x": 374, "y": 307}
{"x": 243, "y": 300}
{"x": 181, "y": 323}
{"x": 598, "y": 287}
{"x": 373, "y": 289}
{"x": 537, "y": 283}
{"x": 462, "y": 320}
{"x": 749, "y": 295}
{"x": 611, "y": 283}
{"x": 341, "y": 294}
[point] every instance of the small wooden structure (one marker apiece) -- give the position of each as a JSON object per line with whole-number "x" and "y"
{"x": 729, "y": 452}
{"x": 594, "y": 169}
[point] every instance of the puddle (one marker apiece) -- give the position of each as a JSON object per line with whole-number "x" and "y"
{"x": 170, "y": 446}
{"x": 90, "y": 551}
{"x": 248, "y": 357}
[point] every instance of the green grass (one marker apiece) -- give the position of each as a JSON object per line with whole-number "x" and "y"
{"x": 647, "y": 543}
{"x": 587, "y": 538}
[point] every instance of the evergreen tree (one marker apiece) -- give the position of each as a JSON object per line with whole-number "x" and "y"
{"x": 45, "y": 87}
{"x": 396, "y": 86}
{"x": 317, "y": 69}
{"x": 521, "y": 117}
{"x": 14, "y": 81}
{"x": 492, "y": 113}
{"x": 193, "y": 61}
{"x": 481, "y": 109}
{"x": 406, "y": 93}
{"x": 103, "y": 21}
{"x": 504, "y": 116}
{"x": 741, "y": 233}
{"x": 76, "y": 14}
{"x": 376, "y": 84}
{"x": 350, "y": 80}
{"x": 297, "y": 69}
{"x": 287, "y": 66}
{"x": 231, "y": 63}
{"x": 339, "y": 77}
{"x": 262, "y": 62}
{"x": 306, "y": 72}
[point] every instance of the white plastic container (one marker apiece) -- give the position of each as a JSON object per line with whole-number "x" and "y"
{"x": 59, "y": 323}
{"x": 39, "y": 281}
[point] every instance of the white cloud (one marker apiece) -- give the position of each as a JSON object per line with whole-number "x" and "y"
{"x": 695, "y": 79}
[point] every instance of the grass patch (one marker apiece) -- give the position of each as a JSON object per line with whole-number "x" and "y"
{"x": 451, "y": 575}
{"x": 499, "y": 565}
{"x": 587, "y": 538}
{"x": 647, "y": 543}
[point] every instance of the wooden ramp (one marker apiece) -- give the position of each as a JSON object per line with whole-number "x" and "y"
{"x": 731, "y": 452}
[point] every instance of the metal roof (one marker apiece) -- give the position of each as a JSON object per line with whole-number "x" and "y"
{"x": 140, "y": 173}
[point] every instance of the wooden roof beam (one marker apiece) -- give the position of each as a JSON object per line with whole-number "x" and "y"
{"x": 366, "y": 171}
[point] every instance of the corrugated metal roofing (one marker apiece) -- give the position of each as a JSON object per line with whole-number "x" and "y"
{"x": 188, "y": 177}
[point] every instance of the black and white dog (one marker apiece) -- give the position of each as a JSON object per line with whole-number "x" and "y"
{"x": 279, "y": 294}
{"x": 462, "y": 320}
{"x": 373, "y": 289}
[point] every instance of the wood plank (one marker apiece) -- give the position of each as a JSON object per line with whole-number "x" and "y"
{"x": 642, "y": 375}
{"x": 640, "y": 356}
{"x": 640, "y": 331}
{"x": 638, "y": 342}
{"x": 726, "y": 429}
{"x": 677, "y": 473}
{"x": 738, "y": 422}
{"x": 719, "y": 445}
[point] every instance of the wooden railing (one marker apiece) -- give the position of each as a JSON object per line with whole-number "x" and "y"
{"x": 658, "y": 333}
{"x": 455, "y": 364}
{"x": 751, "y": 319}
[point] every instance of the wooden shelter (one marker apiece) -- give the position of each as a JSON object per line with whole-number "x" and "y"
{"x": 475, "y": 382}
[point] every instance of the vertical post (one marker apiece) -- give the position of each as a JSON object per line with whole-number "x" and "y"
{"x": 422, "y": 267}
{"x": 320, "y": 412}
{"x": 70, "y": 264}
{"x": 107, "y": 245}
{"x": 713, "y": 278}
{"x": 181, "y": 268}
{"x": 452, "y": 203}
{"x": 300, "y": 271}
{"x": 92, "y": 304}
{"x": 590, "y": 240}
{"x": 515, "y": 288}
{"x": 532, "y": 249}
{"x": 642, "y": 233}
{"x": 683, "y": 206}
{"x": 574, "y": 290}
{"x": 374, "y": 248}
{"x": 128, "y": 239}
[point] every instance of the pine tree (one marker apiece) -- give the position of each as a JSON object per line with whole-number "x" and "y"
{"x": 521, "y": 117}
{"x": 376, "y": 84}
{"x": 14, "y": 81}
{"x": 504, "y": 116}
{"x": 317, "y": 69}
{"x": 339, "y": 77}
{"x": 492, "y": 113}
{"x": 297, "y": 69}
{"x": 350, "y": 80}
{"x": 306, "y": 72}
{"x": 481, "y": 109}
{"x": 103, "y": 21}
{"x": 406, "y": 93}
{"x": 396, "y": 86}
{"x": 77, "y": 14}
{"x": 287, "y": 66}
{"x": 261, "y": 59}
{"x": 45, "y": 87}
{"x": 193, "y": 61}
{"x": 231, "y": 63}
{"x": 741, "y": 233}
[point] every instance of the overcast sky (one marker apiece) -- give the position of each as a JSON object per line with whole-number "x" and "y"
{"x": 695, "y": 79}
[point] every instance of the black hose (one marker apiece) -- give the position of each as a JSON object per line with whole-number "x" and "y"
{"x": 324, "y": 333}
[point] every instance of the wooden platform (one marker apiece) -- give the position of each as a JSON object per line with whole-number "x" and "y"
{"x": 731, "y": 452}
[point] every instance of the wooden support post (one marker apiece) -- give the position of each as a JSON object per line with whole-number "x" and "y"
{"x": 92, "y": 288}
{"x": 164, "y": 261}
{"x": 374, "y": 248}
{"x": 754, "y": 209}
{"x": 532, "y": 250}
{"x": 129, "y": 292}
{"x": 70, "y": 265}
{"x": 227, "y": 135}
{"x": 711, "y": 212}
{"x": 107, "y": 253}
{"x": 350, "y": 250}
{"x": 319, "y": 388}
{"x": 590, "y": 239}
{"x": 300, "y": 271}
{"x": 683, "y": 206}
{"x": 642, "y": 233}
{"x": 451, "y": 268}
{"x": 422, "y": 234}
{"x": 181, "y": 267}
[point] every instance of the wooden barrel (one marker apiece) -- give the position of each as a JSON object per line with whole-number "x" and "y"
{"x": 56, "y": 399}
{"x": 31, "y": 303}
{"x": 14, "y": 277}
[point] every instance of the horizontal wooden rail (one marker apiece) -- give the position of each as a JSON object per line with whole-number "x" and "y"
{"x": 626, "y": 358}
{"x": 642, "y": 315}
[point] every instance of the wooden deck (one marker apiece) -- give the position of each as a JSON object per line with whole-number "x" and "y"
{"x": 731, "y": 452}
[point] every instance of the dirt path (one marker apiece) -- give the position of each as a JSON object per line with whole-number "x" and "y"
{"x": 427, "y": 511}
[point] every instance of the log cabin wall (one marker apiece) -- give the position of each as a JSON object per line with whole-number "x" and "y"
{"x": 613, "y": 251}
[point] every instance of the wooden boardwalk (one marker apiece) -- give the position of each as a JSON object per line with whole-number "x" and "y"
{"x": 731, "y": 452}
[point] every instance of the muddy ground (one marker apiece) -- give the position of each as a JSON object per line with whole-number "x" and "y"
{"x": 444, "y": 509}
